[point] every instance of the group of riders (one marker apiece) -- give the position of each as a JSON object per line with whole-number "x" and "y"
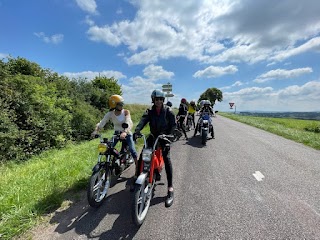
{"x": 161, "y": 120}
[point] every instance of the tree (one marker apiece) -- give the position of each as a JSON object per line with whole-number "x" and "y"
{"x": 211, "y": 94}
{"x": 105, "y": 88}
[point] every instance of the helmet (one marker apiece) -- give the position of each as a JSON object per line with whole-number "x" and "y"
{"x": 192, "y": 103}
{"x": 157, "y": 93}
{"x": 114, "y": 100}
{"x": 183, "y": 100}
{"x": 206, "y": 102}
{"x": 169, "y": 104}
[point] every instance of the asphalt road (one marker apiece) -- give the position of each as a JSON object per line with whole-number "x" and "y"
{"x": 244, "y": 184}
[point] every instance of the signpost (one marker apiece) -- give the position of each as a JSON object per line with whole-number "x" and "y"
{"x": 167, "y": 88}
{"x": 231, "y": 105}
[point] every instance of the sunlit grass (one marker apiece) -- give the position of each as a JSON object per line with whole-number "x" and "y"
{"x": 302, "y": 131}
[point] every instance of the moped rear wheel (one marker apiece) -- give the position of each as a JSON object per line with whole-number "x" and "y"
{"x": 99, "y": 185}
{"x": 141, "y": 202}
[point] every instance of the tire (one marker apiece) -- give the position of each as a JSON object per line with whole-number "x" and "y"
{"x": 141, "y": 203}
{"x": 99, "y": 185}
{"x": 204, "y": 135}
{"x": 212, "y": 133}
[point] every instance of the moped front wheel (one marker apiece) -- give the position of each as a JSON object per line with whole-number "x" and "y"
{"x": 204, "y": 135}
{"x": 141, "y": 202}
{"x": 99, "y": 185}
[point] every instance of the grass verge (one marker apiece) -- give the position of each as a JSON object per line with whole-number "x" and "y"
{"x": 302, "y": 131}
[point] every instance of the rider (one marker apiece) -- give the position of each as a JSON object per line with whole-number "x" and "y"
{"x": 191, "y": 110}
{"x": 205, "y": 109}
{"x": 182, "y": 114}
{"x": 118, "y": 115}
{"x": 161, "y": 120}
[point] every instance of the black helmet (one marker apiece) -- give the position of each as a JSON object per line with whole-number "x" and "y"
{"x": 169, "y": 104}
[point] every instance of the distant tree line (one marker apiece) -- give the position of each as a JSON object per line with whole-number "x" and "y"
{"x": 40, "y": 109}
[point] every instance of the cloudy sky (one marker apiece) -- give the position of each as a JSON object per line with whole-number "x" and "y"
{"x": 262, "y": 54}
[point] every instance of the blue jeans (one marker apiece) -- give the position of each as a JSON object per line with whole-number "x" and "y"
{"x": 131, "y": 145}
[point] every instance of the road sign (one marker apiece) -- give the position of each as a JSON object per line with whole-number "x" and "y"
{"x": 169, "y": 95}
{"x": 167, "y": 87}
{"x": 231, "y": 104}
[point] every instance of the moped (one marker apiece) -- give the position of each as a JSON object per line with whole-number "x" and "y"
{"x": 111, "y": 163}
{"x": 151, "y": 165}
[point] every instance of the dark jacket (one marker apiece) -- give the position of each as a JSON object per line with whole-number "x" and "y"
{"x": 208, "y": 110}
{"x": 183, "y": 109}
{"x": 164, "y": 123}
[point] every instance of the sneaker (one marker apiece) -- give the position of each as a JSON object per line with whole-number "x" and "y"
{"x": 131, "y": 160}
{"x": 169, "y": 199}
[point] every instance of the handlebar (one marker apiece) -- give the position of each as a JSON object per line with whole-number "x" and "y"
{"x": 161, "y": 136}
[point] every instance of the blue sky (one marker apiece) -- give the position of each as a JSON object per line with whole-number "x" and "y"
{"x": 263, "y": 55}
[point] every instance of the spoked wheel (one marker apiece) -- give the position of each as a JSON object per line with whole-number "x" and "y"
{"x": 98, "y": 187}
{"x": 141, "y": 202}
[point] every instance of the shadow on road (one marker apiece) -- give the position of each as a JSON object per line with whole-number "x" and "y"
{"x": 195, "y": 141}
{"x": 112, "y": 220}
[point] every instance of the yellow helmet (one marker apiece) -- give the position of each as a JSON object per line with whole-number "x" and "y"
{"x": 114, "y": 100}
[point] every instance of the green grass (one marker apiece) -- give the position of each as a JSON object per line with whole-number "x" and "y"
{"x": 39, "y": 186}
{"x": 302, "y": 131}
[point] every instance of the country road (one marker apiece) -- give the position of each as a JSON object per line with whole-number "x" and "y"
{"x": 244, "y": 184}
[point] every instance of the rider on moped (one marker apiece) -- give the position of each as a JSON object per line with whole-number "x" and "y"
{"x": 205, "y": 109}
{"x": 118, "y": 115}
{"x": 161, "y": 120}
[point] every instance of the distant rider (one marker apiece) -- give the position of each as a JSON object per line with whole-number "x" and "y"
{"x": 191, "y": 111}
{"x": 181, "y": 116}
{"x": 205, "y": 109}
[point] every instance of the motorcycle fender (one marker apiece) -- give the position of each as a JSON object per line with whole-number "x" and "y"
{"x": 96, "y": 168}
{"x": 142, "y": 177}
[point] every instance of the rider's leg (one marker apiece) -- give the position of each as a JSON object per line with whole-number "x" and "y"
{"x": 181, "y": 120}
{"x": 168, "y": 166}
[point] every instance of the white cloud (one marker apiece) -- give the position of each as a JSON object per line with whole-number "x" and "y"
{"x": 89, "y": 6}
{"x": 282, "y": 74}
{"x": 4, "y": 55}
{"x": 213, "y": 71}
{"x": 157, "y": 72}
{"x": 89, "y": 75}
{"x": 268, "y": 99}
{"x": 55, "y": 39}
{"x": 215, "y": 31}
{"x": 235, "y": 84}
{"x": 312, "y": 44}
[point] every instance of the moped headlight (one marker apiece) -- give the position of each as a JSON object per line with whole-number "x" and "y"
{"x": 146, "y": 154}
{"x": 102, "y": 147}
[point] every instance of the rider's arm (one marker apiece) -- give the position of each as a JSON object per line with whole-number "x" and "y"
{"x": 143, "y": 121}
{"x": 102, "y": 123}
{"x": 128, "y": 120}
